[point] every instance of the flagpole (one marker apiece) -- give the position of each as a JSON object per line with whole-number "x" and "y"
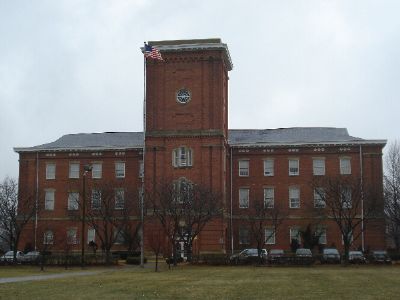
{"x": 144, "y": 153}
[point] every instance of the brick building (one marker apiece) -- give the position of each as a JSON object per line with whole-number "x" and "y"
{"x": 187, "y": 138}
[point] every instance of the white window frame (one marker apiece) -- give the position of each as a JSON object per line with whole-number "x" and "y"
{"x": 141, "y": 169}
{"x": 96, "y": 199}
{"x": 119, "y": 198}
{"x": 345, "y": 195}
{"x": 293, "y": 190}
{"x": 351, "y": 237}
{"x": 321, "y": 232}
{"x": 244, "y": 168}
{"x": 269, "y": 197}
{"x": 97, "y": 170}
{"x": 48, "y": 237}
{"x": 50, "y": 171}
{"x": 182, "y": 157}
{"x": 91, "y": 235}
{"x": 244, "y": 203}
{"x": 119, "y": 237}
{"x": 269, "y": 165}
{"x": 49, "y": 199}
{"x": 319, "y": 201}
{"x": 292, "y": 235}
{"x": 73, "y": 200}
{"x": 119, "y": 169}
{"x": 345, "y": 165}
{"x": 72, "y": 236}
{"x": 318, "y": 166}
{"x": 244, "y": 233}
{"x": 294, "y": 167}
{"x": 74, "y": 170}
{"x": 269, "y": 236}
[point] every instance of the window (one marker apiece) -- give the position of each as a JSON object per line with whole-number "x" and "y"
{"x": 183, "y": 189}
{"x": 243, "y": 236}
{"x": 120, "y": 169}
{"x": 49, "y": 199}
{"x": 73, "y": 201}
{"x": 244, "y": 198}
{"x": 91, "y": 235}
{"x": 50, "y": 171}
{"x": 119, "y": 237}
{"x": 97, "y": 170}
{"x": 269, "y": 197}
{"x": 182, "y": 157}
{"x": 243, "y": 168}
{"x": 269, "y": 236}
{"x": 321, "y": 234}
{"x": 345, "y": 195}
{"x": 268, "y": 167}
{"x": 295, "y": 234}
{"x": 319, "y": 166}
{"x": 96, "y": 199}
{"x": 72, "y": 238}
{"x": 48, "y": 237}
{"x": 319, "y": 198}
{"x": 293, "y": 167}
{"x": 345, "y": 166}
{"x": 119, "y": 198}
{"x": 141, "y": 169}
{"x": 350, "y": 235}
{"x": 74, "y": 170}
{"x": 294, "y": 197}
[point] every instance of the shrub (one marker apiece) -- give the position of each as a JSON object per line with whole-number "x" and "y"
{"x": 134, "y": 260}
{"x": 214, "y": 259}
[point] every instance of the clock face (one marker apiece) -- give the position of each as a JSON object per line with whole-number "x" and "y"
{"x": 183, "y": 96}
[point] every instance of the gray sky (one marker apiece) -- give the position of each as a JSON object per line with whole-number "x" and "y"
{"x": 71, "y": 66}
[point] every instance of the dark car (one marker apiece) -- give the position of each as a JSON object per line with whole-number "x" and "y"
{"x": 357, "y": 257}
{"x": 330, "y": 255}
{"x": 276, "y": 256}
{"x": 380, "y": 257}
{"x": 248, "y": 256}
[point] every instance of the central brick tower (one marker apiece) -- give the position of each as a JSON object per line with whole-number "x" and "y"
{"x": 187, "y": 121}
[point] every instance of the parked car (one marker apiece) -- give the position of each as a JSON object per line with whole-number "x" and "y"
{"x": 380, "y": 257}
{"x": 8, "y": 257}
{"x": 330, "y": 255}
{"x": 276, "y": 256}
{"x": 357, "y": 257}
{"x": 31, "y": 257}
{"x": 248, "y": 256}
{"x": 303, "y": 252}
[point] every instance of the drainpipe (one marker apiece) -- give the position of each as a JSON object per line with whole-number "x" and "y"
{"x": 362, "y": 200}
{"x": 36, "y": 199}
{"x": 231, "y": 171}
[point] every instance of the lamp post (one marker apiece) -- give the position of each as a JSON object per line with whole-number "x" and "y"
{"x": 87, "y": 169}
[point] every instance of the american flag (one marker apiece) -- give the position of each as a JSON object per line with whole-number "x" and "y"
{"x": 152, "y": 52}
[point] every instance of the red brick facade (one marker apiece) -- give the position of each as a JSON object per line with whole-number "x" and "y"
{"x": 201, "y": 125}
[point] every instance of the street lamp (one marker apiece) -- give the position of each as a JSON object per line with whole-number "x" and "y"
{"x": 87, "y": 169}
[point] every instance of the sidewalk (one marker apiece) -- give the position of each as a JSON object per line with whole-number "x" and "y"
{"x": 44, "y": 277}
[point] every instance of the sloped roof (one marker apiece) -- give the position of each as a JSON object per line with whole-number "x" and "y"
{"x": 237, "y": 137}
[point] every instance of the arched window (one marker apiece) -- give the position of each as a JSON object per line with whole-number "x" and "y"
{"x": 182, "y": 157}
{"x": 183, "y": 190}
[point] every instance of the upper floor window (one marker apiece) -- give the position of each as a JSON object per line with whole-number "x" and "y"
{"x": 49, "y": 199}
{"x": 319, "y": 166}
{"x": 294, "y": 197}
{"x": 96, "y": 199}
{"x": 269, "y": 197}
{"x": 268, "y": 167}
{"x": 293, "y": 167}
{"x": 74, "y": 170}
{"x": 244, "y": 197}
{"x": 73, "y": 201}
{"x": 243, "y": 168}
{"x": 183, "y": 189}
{"x": 345, "y": 195}
{"x": 97, "y": 170}
{"x": 141, "y": 168}
{"x": 119, "y": 198}
{"x": 319, "y": 198}
{"x": 120, "y": 169}
{"x": 269, "y": 236}
{"x": 182, "y": 157}
{"x": 345, "y": 165}
{"x": 50, "y": 171}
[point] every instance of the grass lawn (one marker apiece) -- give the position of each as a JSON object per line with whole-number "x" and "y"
{"x": 200, "y": 282}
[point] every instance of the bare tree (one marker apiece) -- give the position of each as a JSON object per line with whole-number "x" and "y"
{"x": 156, "y": 243}
{"x": 183, "y": 210}
{"x": 348, "y": 204}
{"x": 15, "y": 213}
{"x": 109, "y": 207}
{"x": 392, "y": 193}
{"x": 264, "y": 215}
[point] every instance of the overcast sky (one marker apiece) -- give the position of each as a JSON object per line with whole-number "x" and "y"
{"x": 71, "y": 66}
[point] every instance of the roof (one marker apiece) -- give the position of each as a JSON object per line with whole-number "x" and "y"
{"x": 237, "y": 138}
